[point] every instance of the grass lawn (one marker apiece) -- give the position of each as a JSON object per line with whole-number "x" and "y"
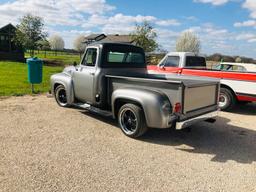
{"x": 14, "y": 80}
{"x": 62, "y": 57}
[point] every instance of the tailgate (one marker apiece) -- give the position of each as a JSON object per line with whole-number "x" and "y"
{"x": 200, "y": 99}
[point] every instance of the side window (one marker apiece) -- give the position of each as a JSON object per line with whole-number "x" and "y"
{"x": 90, "y": 57}
{"x": 238, "y": 68}
{"x": 241, "y": 68}
{"x": 226, "y": 67}
{"x": 172, "y": 61}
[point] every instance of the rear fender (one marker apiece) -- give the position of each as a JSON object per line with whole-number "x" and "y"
{"x": 156, "y": 106}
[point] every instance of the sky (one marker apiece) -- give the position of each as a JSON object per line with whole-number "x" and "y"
{"x": 223, "y": 26}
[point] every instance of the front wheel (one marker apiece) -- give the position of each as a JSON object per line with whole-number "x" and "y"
{"x": 226, "y": 100}
{"x": 61, "y": 96}
{"x": 132, "y": 121}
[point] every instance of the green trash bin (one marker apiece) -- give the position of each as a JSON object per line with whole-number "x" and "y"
{"x": 35, "y": 70}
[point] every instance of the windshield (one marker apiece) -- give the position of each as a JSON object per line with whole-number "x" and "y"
{"x": 171, "y": 61}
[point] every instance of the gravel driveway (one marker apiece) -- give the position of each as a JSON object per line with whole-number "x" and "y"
{"x": 47, "y": 148}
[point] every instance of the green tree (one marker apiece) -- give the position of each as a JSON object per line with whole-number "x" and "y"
{"x": 44, "y": 44}
{"x": 30, "y": 31}
{"x": 145, "y": 37}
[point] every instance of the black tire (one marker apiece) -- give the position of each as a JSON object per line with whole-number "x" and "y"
{"x": 61, "y": 96}
{"x": 227, "y": 99}
{"x": 132, "y": 121}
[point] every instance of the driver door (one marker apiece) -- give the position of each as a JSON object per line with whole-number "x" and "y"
{"x": 83, "y": 77}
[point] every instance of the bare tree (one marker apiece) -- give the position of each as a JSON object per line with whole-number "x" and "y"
{"x": 79, "y": 44}
{"x": 56, "y": 43}
{"x": 238, "y": 60}
{"x": 188, "y": 42}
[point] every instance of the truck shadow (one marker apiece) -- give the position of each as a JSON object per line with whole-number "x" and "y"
{"x": 106, "y": 119}
{"x": 245, "y": 109}
{"x": 222, "y": 140}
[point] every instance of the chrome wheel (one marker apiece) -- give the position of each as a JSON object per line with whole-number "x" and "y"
{"x": 223, "y": 100}
{"x": 129, "y": 122}
{"x": 61, "y": 96}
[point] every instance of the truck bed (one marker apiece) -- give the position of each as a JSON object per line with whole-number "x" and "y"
{"x": 196, "y": 96}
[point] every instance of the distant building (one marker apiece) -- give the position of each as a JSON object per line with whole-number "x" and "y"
{"x": 108, "y": 38}
{"x": 8, "y": 48}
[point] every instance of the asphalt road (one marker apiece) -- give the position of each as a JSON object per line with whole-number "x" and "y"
{"x": 47, "y": 148}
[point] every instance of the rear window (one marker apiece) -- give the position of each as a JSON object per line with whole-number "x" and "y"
{"x": 125, "y": 56}
{"x": 195, "y": 61}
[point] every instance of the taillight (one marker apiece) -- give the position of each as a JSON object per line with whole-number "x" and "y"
{"x": 177, "y": 108}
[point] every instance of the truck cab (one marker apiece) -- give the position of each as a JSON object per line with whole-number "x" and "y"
{"x": 178, "y": 60}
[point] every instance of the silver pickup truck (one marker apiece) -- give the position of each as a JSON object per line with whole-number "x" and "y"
{"x": 112, "y": 78}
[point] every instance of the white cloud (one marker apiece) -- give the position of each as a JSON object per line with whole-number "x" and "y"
{"x": 124, "y": 24}
{"x": 70, "y": 18}
{"x": 249, "y": 37}
{"x": 249, "y": 23}
{"x": 251, "y": 6}
{"x": 213, "y": 2}
{"x": 125, "y": 21}
{"x": 191, "y": 18}
{"x": 77, "y": 14}
{"x": 64, "y": 12}
{"x": 169, "y": 22}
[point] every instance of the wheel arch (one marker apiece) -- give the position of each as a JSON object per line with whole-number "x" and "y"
{"x": 119, "y": 102}
{"x": 151, "y": 103}
{"x": 229, "y": 88}
{"x": 66, "y": 81}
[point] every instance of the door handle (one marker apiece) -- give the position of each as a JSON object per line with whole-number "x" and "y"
{"x": 91, "y": 73}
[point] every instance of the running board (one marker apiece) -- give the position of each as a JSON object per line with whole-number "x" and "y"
{"x": 93, "y": 109}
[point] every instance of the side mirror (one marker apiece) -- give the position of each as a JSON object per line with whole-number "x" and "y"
{"x": 75, "y": 63}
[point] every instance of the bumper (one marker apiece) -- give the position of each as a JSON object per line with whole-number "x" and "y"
{"x": 187, "y": 123}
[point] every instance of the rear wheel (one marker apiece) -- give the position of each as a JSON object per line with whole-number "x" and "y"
{"x": 61, "y": 96}
{"x": 226, "y": 100}
{"x": 132, "y": 121}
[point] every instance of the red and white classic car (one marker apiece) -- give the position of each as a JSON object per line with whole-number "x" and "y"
{"x": 236, "y": 86}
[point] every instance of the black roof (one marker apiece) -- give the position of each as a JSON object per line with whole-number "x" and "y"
{"x": 102, "y": 43}
{"x": 7, "y": 28}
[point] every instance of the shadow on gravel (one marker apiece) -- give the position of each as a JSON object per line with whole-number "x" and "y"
{"x": 224, "y": 141}
{"x": 99, "y": 117}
